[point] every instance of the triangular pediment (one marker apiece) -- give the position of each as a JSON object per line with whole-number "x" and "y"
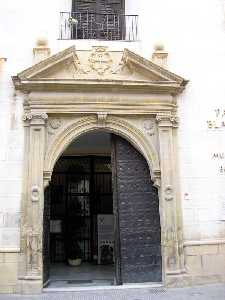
{"x": 97, "y": 65}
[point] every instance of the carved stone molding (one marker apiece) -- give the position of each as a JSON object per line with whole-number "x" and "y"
{"x": 175, "y": 121}
{"x": 167, "y": 120}
{"x": 47, "y": 178}
{"x": 33, "y": 245}
{"x": 118, "y": 125}
{"x": 156, "y": 177}
{"x": 35, "y": 193}
{"x": 87, "y": 92}
{"x": 168, "y": 193}
{"x": 102, "y": 118}
{"x": 36, "y": 117}
{"x": 149, "y": 127}
{"x": 54, "y": 124}
{"x": 100, "y": 60}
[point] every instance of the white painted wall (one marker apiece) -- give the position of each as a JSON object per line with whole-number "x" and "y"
{"x": 193, "y": 32}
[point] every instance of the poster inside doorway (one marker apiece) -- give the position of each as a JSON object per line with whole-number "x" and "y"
{"x": 105, "y": 239}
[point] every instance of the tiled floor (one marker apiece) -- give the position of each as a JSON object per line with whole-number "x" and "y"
{"x": 62, "y": 275}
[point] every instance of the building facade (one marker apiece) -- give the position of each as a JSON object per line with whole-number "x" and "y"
{"x": 94, "y": 81}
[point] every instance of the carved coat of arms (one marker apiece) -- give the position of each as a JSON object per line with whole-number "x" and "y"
{"x": 100, "y": 60}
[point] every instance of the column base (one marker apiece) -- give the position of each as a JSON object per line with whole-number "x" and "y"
{"x": 185, "y": 280}
{"x": 29, "y": 286}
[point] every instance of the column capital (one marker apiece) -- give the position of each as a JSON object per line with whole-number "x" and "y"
{"x": 167, "y": 120}
{"x": 35, "y": 118}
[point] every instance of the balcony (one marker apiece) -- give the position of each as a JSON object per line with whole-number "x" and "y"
{"x": 108, "y": 27}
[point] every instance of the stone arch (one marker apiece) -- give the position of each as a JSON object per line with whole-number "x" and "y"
{"x": 114, "y": 125}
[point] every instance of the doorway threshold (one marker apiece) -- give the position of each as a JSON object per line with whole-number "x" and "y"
{"x": 103, "y": 286}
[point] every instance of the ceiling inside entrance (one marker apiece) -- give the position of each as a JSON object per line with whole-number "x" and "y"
{"x": 94, "y": 143}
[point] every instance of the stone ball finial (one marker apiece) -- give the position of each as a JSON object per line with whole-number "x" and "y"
{"x": 159, "y": 47}
{"x": 41, "y": 42}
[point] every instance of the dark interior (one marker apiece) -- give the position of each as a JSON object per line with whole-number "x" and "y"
{"x": 80, "y": 190}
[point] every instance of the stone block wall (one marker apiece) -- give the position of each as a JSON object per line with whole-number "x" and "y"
{"x": 8, "y": 274}
{"x": 205, "y": 263}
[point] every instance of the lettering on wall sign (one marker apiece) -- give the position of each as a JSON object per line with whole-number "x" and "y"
{"x": 222, "y": 169}
{"x": 218, "y": 120}
{"x": 219, "y": 156}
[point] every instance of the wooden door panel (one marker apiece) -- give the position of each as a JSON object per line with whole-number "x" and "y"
{"x": 138, "y": 216}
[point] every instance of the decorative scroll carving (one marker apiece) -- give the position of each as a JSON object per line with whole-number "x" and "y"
{"x": 55, "y": 123}
{"x": 167, "y": 120}
{"x": 168, "y": 193}
{"x": 175, "y": 121}
{"x": 36, "y": 117}
{"x": 33, "y": 251}
{"x": 30, "y": 116}
{"x": 100, "y": 60}
{"x": 149, "y": 127}
{"x": 102, "y": 117}
{"x": 35, "y": 193}
{"x": 80, "y": 69}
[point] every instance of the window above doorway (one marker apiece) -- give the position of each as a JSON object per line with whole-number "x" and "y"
{"x": 98, "y": 19}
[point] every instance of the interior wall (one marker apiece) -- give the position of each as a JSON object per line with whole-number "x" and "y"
{"x": 93, "y": 143}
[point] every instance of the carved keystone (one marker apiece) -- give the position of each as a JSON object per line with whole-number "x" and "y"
{"x": 102, "y": 117}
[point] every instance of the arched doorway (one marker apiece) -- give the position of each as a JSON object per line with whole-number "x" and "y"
{"x": 124, "y": 94}
{"x": 101, "y": 206}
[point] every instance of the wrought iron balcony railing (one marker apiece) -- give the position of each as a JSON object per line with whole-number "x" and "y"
{"x": 88, "y": 25}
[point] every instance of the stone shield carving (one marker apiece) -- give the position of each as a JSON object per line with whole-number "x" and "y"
{"x": 100, "y": 60}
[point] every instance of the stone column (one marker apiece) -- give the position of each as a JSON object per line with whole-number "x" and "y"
{"x": 30, "y": 266}
{"x": 171, "y": 223}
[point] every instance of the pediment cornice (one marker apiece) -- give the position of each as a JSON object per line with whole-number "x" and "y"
{"x": 98, "y": 69}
